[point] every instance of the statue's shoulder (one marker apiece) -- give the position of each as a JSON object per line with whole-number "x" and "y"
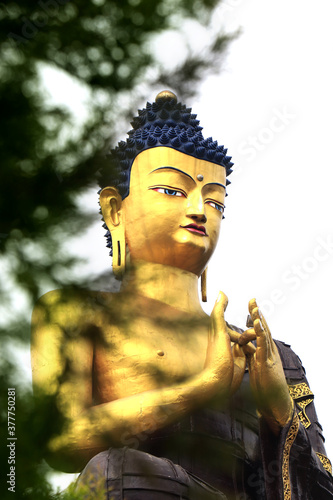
{"x": 73, "y": 295}
{"x": 72, "y": 306}
{"x": 64, "y": 323}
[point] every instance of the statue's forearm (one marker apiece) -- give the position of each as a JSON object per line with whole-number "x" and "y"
{"x": 111, "y": 424}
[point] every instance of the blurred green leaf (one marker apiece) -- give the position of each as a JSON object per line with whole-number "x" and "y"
{"x": 49, "y": 156}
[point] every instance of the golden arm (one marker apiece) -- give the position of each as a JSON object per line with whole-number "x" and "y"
{"x": 91, "y": 429}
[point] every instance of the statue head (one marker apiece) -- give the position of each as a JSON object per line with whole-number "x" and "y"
{"x": 163, "y": 194}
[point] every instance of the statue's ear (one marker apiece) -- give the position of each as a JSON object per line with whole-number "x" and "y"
{"x": 111, "y": 201}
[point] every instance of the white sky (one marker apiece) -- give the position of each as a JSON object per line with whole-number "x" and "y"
{"x": 272, "y": 107}
{"x": 280, "y": 205}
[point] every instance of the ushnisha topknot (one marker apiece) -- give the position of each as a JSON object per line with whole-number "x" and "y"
{"x": 165, "y": 122}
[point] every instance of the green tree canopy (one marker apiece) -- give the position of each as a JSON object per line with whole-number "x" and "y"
{"x": 48, "y": 156}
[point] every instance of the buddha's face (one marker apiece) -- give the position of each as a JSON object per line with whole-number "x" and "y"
{"x": 173, "y": 212}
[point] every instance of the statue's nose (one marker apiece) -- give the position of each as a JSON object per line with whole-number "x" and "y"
{"x": 198, "y": 217}
{"x": 196, "y": 208}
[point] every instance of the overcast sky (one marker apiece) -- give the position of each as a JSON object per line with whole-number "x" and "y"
{"x": 272, "y": 107}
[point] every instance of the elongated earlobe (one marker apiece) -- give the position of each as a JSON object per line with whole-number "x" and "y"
{"x": 118, "y": 252}
{"x": 111, "y": 203}
{"x": 204, "y": 285}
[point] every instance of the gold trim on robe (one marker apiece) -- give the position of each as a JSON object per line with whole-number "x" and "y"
{"x": 326, "y": 463}
{"x": 303, "y": 396}
{"x": 291, "y": 436}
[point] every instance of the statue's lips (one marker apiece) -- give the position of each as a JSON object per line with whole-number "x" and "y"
{"x": 194, "y": 228}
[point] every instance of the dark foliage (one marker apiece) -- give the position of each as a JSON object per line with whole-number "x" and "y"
{"x": 48, "y": 157}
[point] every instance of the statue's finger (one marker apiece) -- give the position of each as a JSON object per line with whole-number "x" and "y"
{"x": 247, "y": 336}
{"x": 264, "y": 322}
{"x": 234, "y": 336}
{"x": 264, "y": 346}
{"x": 243, "y": 339}
{"x": 249, "y": 348}
{"x": 255, "y": 313}
{"x": 252, "y": 305}
{"x": 218, "y": 312}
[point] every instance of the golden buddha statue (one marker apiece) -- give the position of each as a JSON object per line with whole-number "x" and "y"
{"x": 158, "y": 400}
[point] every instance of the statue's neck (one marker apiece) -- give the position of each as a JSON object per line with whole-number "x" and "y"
{"x": 170, "y": 285}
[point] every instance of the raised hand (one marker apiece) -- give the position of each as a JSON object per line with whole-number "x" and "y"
{"x": 226, "y": 360}
{"x": 267, "y": 377}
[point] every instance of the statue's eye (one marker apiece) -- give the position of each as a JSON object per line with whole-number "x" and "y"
{"x": 168, "y": 191}
{"x": 215, "y": 205}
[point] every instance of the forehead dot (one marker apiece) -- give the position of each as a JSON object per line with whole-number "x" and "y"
{"x": 200, "y": 177}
